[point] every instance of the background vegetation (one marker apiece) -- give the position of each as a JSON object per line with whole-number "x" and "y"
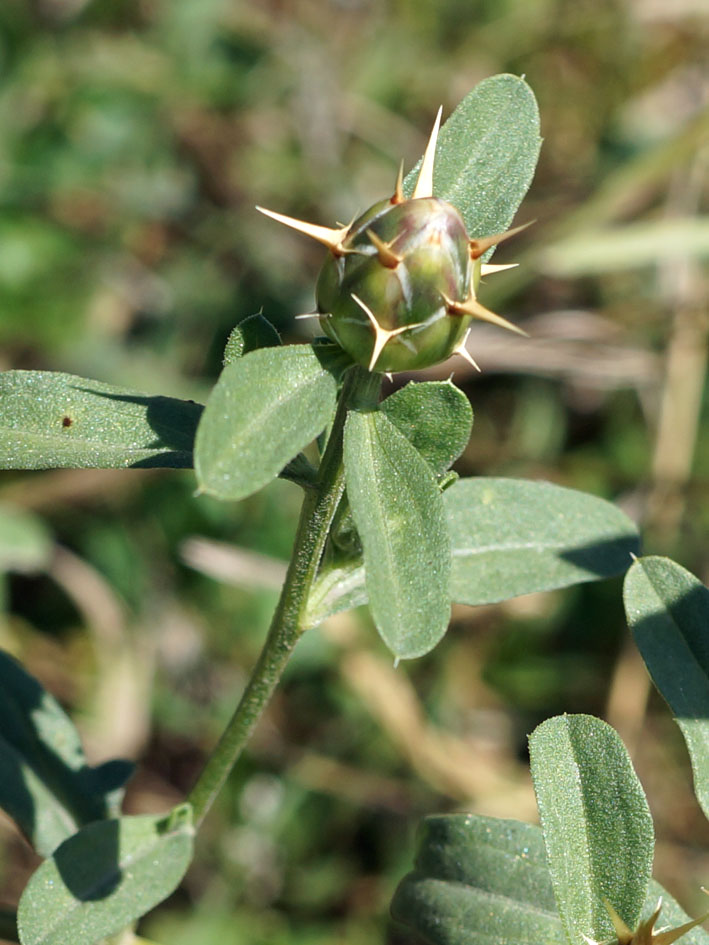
{"x": 136, "y": 138}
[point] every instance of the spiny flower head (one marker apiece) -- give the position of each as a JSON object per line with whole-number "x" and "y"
{"x": 398, "y": 289}
{"x": 645, "y": 933}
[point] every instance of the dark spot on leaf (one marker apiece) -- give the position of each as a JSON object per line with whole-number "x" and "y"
{"x": 67, "y": 421}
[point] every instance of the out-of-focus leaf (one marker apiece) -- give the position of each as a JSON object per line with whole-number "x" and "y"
{"x": 46, "y": 785}
{"x": 264, "y": 409}
{"x": 435, "y": 416}
{"x": 668, "y": 611}
{"x": 397, "y": 508}
{"x": 479, "y": 881}
{"x": 514, "y": 536}
{"x": 49, "y": 419}
{"x": 486, "y": 155}
{"x": 44, "y": 276}
{"x": 104, "y": 877}
{"x": 597, "y": 825}
{"x": 25, "y": 543}
{"x": 624, "y": 247}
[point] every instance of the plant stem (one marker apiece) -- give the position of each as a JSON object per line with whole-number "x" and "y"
{"x": 360, "y": 389}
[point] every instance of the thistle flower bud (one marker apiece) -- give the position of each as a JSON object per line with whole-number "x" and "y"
{"x": 398, "y": 290}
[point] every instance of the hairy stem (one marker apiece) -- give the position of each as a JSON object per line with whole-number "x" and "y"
{"x": 360, "y": 388}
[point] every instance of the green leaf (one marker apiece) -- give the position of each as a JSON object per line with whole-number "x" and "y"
{"x": 479, "y": 881}
{"x": 597, "y": 825}
{"x": 435, "y": 416}
{"x": 513, "y": 536}
{"x": 398, "y": 510}
{"x": 104, "y": 877}
{"x": 332, "y": 357}
{"x": 250, "y": 334}
{"x": 486, "y": 155}
{"x": 49, "y": 420}
{"x": 338, "y": 587}
{"x": 25, "y": 543}
{"x": 46, "y": 785}
{"x": 672, "y": 915}
{"x": 263, "y": 410}
{"x": 484, "y": 881}
{"x": 668, "y": 611}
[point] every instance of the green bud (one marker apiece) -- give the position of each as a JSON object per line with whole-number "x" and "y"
{"x": 398, "y": 290}
{"x": 384, "y": 298}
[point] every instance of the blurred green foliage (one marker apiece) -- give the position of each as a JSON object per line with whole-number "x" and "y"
{"x": 135, "y": 139}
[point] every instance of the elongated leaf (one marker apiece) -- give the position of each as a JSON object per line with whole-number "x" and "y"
{"x": 263, "y": 410}
{"x": 483, "y": 881}
{"x": 46, "y": 785}
{"x": 625, "y": 247}
{"x": 398, "y": 511}
{"x": 487, "y": 152}
{"x": 479, "y": 881}
{"x": 49, "y": 420}
{"x": 104, "y": 877}
{"x": 513, "y": 536}
{"x": 435, "y": 416}
{"x": 668, "y": 612}
{"x": 597, "y": 825}
{"x": 25, "y": 543}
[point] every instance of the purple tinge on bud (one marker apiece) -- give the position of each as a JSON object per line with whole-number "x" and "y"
{"x": 383, "y": 298}
{"x": 398, "y": 289}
